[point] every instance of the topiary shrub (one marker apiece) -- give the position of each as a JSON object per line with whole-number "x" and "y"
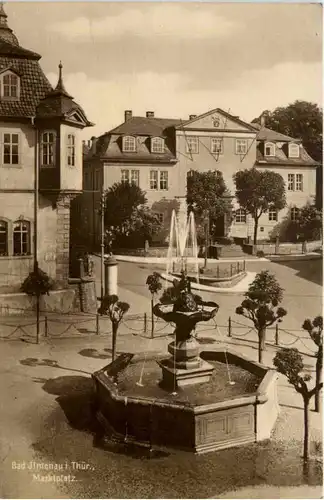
{"x": 37, "y": 283}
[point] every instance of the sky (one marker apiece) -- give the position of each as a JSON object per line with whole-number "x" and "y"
{"x": 175, "y": 59}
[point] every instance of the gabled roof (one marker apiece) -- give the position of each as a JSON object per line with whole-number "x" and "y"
{"x": 266, "y": 134}
{"x": 221, "y": 112}
{"x": 138, "y": 125}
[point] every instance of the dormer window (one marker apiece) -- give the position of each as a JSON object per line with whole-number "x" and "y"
{"x": 269, "y": 149}
{"x": 129, "y": 144}
{"x": 10, "y": 86}
{"x": 293, "y": 150}
{"x": 157, "y": 145}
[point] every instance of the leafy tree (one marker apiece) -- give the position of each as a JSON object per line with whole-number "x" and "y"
{"x": 315, "y": 330}
{"x": 300, "y": 120}
{"x": 209, "y": 199}
{"x": 154, "y": 285}
{"x": 115, "y": 310}
{"x": 309, "y": 222}
{"x": 127, "y": 217}
{"x": 36, "y": 284}
{"x": 261, "y": 305}
{"x": 258, "y": 191}
{"x": 289, "y": 362}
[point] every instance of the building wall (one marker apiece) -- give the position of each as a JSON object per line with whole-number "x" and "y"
{"x": 71, "y": 176}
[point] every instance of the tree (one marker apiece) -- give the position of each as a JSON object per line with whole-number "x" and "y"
{"x": 309, "y": 222}
{"x": 36, "y": 284}
{"x": 127, "y": 217}
{"x": 209, "y": 199}
{"x": 300, "y": 120}
{"x": 289, "y": 362}
{"x": 261, "y": 305}
{"x": 258, "y": 191}
{"x": 315, "y": 330}
{"x": 115, "y": 310}
{"x": 154, "y": 285}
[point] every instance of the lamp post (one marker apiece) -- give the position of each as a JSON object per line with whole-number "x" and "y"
{"x": 207, "y": 231}
{"x": 102, "y": 259}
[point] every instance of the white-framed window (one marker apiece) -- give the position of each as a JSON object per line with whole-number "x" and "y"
{"x": 129, "y": 144}
{"x": 154, "y": 179}
{"x": 3, "y": 238}
{"x": 192, "y": 145}
{"x": 125, "y": 175}
{"x": 48, "y": 141}
{"x": 10, "y": 149}
{"x": 240, "y": 216}
{"x": 21, "y": 238}
{"x": 269, "y": 149}
{"x": 294, "y": 213}
{"x": 164, "y": 180}
{"x": 135, "y": 176}
{"x": 293, "y": 150}
{"x": 273, "y": 215}
{"x": 295, "y": 182}
{"x": 241, "y": 146}
{"x": 10, "y": 86}
{"x": 160, "y": 217}
{"x": 217, "y": 146}
{"x": 71, "y": 150}
{"x": 157, "y": 145}
{"x": 299, "y": 182}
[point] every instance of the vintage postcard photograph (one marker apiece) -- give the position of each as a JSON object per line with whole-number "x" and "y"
{"x": 161, "y": 324}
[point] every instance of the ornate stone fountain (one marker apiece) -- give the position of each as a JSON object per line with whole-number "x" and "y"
{"x": 185, "y": 366}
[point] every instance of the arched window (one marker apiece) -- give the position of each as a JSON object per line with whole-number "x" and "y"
{"x": 3, "y": 238}
{"x": 21, "y": 238}
{"x": 129, "y": 144}
{"x": 269, "y": 149}
{"x": 157, "y": 145}
{"x": 293, "y": 150}
{"x": 240, "y": 216}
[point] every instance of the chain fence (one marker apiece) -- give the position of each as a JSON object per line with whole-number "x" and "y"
{"x": 86, "y": 325}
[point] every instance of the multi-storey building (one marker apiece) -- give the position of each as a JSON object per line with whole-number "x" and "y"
{"x": 157, "y": 154}
{"x": 40, "y": 134}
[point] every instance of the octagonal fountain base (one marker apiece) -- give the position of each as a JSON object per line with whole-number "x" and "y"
{"x": 134, "y": 408}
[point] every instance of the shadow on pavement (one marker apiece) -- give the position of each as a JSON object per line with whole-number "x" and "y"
{"x": 51, "y": 363}
{"x": 311, "y": 270}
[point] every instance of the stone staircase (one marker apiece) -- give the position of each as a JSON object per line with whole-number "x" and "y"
{"x": 230, "y": 251}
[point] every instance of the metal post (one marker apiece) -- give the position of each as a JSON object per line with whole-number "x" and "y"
{"x": 277, "y": 335}
{"x": 46, "y": 327}
{"x": 145, "y": 322}
{"x": 97, "y": 324}
{"x": 231, "y": 270}
{"x": 36, "y": 189}
{"x": 229, "y": 327}
{"x": 206, "y": 237}
{"x": 102, "y": 267}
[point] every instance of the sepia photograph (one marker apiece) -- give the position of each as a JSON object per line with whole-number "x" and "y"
{"x": 161, "y": 236}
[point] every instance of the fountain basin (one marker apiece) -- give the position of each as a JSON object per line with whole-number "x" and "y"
{"x": 199, "y": 418}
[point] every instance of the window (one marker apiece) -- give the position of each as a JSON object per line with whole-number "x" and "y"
{"x": 71, "y": 150}
{"x": 129, "y": 144}
{"x": 21, "y": 238}
{"x": 3, "y": 238}
{"x": 240, "y": 216}
{"x": 160, "y": 217}
{"x": 241, "y": 146}
{"x": 269, "y": 149}
{"x": 294, "y": 213}
{"x": 192, "y": 145}
{"x": 293, "y": 150}
{"x": 47, "y": 148}
{"x": 125, "y": 175}
{"x": 164, "y": 180}
{"x": 11, "y": 149}
{"x": 154, "y": 175}
{"x": 217, "y": 146}
{"x": 157, "y": 145}
{"x": 273, "y": 214}
{"x": 299, "y": 182}
{"x": 10, "y": 86}
{"x": 135, "y": 177}
{"x": 295, "y": 182}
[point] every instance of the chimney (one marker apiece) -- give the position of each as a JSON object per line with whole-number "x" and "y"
{"x": 263, "y": 121}
{"x": 128, "y": 114}
{"x": 93, "y": 145}
{"x": 192, "y": 117}
{"x": 149, "y": 114}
